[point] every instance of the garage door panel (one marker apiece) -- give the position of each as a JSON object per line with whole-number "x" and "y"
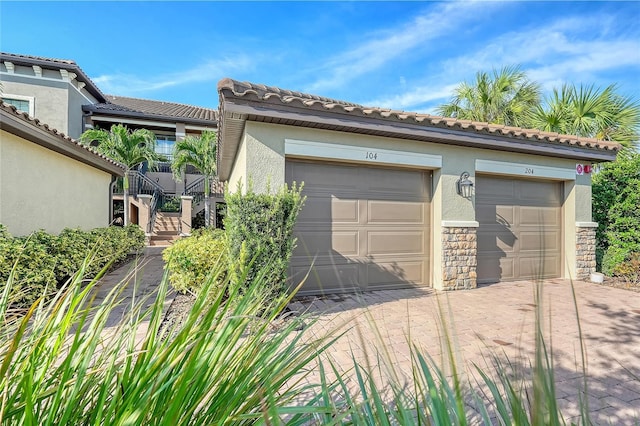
{"x": 395, "y": 212}
{"x": 539, "y": 267}
{"x": 542, "y": 217}
{"x": 500, "y": 189}
{"x": 326, "y": 278}
{"x": 522, "y": 236}
{"x": 395, "y": 242}
{"x": 540, "y": 241}
{"x": 402, "y": 183}
{"x": 396, "y": 273}
{"x": 325, "y": 243}
{"x": 332, "y": 179}
{"x": 539, "y": 193}
{"x": 495, "y": 215}
{"x": 493, "y": 268}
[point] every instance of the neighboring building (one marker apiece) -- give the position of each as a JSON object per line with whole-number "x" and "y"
{"x": 59, "y": 93}
{"x": 397, "y": 199}
{"x": 50, "y": 181}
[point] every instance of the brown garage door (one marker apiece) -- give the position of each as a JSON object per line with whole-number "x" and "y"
{"x": 520, "y": 233}
{"x": 362, "y": 228}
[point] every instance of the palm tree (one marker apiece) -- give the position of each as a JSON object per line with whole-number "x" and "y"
{"x": 199, "y": 152}
{"x": 504, "y": 97}
{"x": 131, "y": 148}
{"x": 590, "y": 112}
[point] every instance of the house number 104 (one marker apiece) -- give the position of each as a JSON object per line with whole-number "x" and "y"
{"x": 371, "y": 155}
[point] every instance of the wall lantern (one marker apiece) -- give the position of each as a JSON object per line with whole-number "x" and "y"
{"x": 464, "y": 185}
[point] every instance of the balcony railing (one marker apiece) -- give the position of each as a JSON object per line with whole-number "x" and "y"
{"x": 196, "y": 189}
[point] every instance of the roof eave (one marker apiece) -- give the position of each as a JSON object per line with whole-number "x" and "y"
{"x": 97, "y": 112}
{"x": 90, "y": 85}
{"x": 238, "y": 110}
{"x": 19, "y": 127}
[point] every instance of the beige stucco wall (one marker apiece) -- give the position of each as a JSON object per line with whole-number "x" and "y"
{"x": 261, "y": 159}
{"x": 40, "y": 188}
{"x": 239, "y": 172}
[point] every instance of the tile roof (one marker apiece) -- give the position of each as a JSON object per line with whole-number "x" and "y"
{"x": 121, "y": 105}
{"x": 275, "y": 95}
{"x": 34, "y": 122}
{"x": 66, "y": 64}
{"x": 38, "y": 58}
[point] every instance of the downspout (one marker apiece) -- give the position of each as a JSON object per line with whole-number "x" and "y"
{"x": 114, "y": 178}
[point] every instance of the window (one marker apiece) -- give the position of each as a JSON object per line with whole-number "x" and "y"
{"x": 23, "y": 103}
{"x": 164, "y": 145}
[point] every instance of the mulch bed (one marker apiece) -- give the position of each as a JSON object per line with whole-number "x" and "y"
{"x": 618, "y": 282}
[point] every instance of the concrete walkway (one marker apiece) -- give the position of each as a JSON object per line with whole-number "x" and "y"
{"x": 500, "y": 319}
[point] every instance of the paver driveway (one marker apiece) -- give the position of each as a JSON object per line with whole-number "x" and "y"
{"x": 500, "y": 317}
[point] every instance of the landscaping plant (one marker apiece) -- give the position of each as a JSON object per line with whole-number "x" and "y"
{"x": 61, "y": 364}
{"x": 189, "y": 261}
{"x": 44, "y": 261}
{"x": 616, "y": 208}
{"x": 259, "y": 229}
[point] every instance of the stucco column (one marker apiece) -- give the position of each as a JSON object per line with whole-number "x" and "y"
{"x": 144, "y": 215}
{"x": 181, "y": 133}
{"x": 185, "y": 219}
{"x": 455, "y": 228}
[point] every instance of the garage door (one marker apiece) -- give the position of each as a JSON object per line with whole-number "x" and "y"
{"x": 520, "y": 233}
{"x": 362, "y": 228}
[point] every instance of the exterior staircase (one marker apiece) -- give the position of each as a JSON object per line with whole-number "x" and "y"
{"x": 166, "y": 229}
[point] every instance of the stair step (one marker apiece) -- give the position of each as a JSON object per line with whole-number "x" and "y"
{"x": 166, "y": 232}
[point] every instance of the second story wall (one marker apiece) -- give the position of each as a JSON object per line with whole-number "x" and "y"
{"x": 55, "y": 97}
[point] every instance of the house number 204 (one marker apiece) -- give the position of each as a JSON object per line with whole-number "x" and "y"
{"x": 528, "y": 171}
{"x": 371, "y": 155}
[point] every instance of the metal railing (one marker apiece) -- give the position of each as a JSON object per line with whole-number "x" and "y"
{"x": 196, "y": 189}
{"x": 154, "y": 211}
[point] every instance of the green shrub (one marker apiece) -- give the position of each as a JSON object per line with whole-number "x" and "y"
{"x": 43, "y": 260}
{"x": 190, "y": 260}
{"x": 33, "y": 264}
{"x": 629, "y": 268}
{"x": 259, "y": 229}
{"x": 623, "y": 230}
{"x": 616, "y": 208}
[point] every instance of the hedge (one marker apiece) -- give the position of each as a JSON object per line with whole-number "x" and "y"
{"x": 44, "y": 261}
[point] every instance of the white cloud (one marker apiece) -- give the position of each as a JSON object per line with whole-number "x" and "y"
{"x": 383, "y": 47}
{"x": 566, "y": 50}
{"x": 211, "y": 71}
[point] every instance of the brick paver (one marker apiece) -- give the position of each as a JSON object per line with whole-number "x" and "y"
{"x": 500, "y": 319}
{"x": 141, "y": 278}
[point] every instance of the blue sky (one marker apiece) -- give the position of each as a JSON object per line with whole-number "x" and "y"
{"x": 402, "y": 55}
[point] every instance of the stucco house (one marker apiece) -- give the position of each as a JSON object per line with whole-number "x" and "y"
{"x": 397, "y": 199}
{"x": 48, "y": 180}
{"x": 59, "y": 93}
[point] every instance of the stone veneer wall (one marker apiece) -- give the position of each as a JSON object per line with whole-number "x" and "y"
{"x": 585, "y": 252}
{"x": 459, "y": 257}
